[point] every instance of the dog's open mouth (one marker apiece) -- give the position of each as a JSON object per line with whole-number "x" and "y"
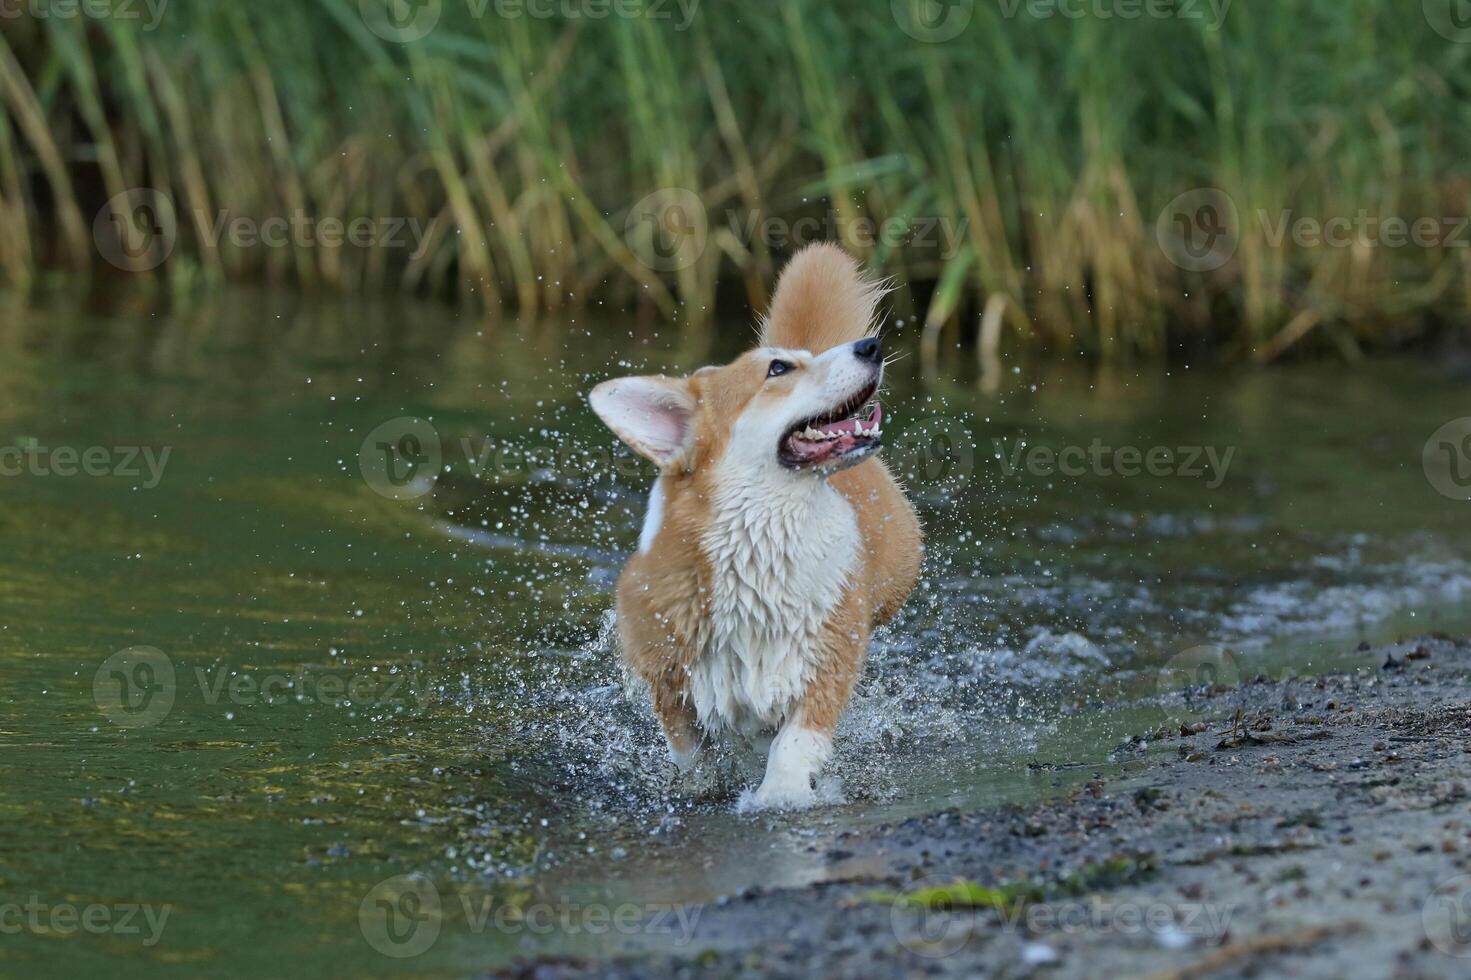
{"x": 846, "y": 435}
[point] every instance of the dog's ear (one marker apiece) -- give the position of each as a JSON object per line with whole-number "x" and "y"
{"x": 654, "y": 415}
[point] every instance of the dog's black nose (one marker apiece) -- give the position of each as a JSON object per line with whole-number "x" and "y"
{"x": 869, "y": 350}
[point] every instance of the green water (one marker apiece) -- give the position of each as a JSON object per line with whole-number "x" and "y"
{"x": 365, "y": 688}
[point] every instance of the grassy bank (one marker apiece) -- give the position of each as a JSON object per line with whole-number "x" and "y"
{"x": 1011, "y": 178}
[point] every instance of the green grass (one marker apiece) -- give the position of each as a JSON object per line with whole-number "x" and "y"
{"x": 1099, "y": 876}
{"x": 1047, "y": 147}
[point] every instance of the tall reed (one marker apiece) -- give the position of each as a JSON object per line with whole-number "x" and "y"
{"x": 1021, "y": 166}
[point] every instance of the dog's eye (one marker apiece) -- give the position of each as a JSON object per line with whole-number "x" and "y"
{"x": 778, "y": 368}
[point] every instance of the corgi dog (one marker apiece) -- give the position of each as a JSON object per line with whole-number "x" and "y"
{"x": 775, "y": 542}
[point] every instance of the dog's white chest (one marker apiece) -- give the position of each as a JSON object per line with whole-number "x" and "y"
{"x": 781, "y": 563}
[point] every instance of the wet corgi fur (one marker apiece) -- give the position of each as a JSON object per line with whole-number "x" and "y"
{"x": 775, "y": 541}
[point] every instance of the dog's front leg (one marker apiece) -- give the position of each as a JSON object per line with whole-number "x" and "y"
{"x": 677, "y": 718}
{"x": 658, "y": 641}
{"x": 805, "y": 740}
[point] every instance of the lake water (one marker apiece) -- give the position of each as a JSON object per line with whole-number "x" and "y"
{"x": 280, "y": 695}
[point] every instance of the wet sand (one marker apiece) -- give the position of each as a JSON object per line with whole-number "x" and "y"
{"x": 1311, "y": 827}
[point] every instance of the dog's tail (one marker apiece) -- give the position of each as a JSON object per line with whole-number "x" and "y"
{"x": 822, "y": 300}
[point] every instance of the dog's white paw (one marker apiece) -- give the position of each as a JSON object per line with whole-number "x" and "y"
{"x": 785, "y": 795}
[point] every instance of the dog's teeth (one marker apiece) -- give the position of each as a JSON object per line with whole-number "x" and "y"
{"x": 811, "y": 434}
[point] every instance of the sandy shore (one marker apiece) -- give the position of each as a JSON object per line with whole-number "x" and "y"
{"x": 1312, "y": 827}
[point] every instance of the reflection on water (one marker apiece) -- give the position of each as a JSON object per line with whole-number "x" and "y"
{"x": 357, "y": 689}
